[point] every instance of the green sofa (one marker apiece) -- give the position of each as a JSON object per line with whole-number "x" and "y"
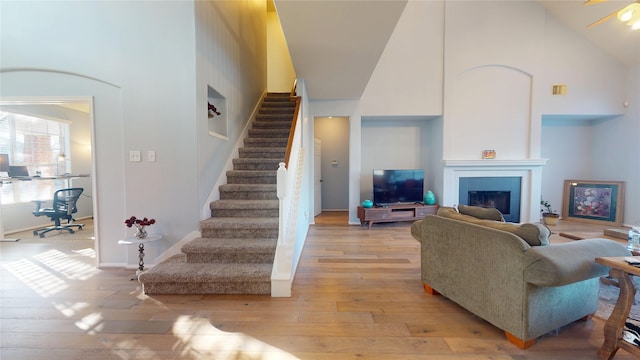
{"x": 519, "y": 283}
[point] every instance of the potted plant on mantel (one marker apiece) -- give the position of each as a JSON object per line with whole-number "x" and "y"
{"x": 549, "y": 217}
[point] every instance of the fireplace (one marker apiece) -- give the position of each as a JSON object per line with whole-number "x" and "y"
{"x": 526, "y": 190}
{"x": 502, "y": 193}
{"x": 500, "y": 200}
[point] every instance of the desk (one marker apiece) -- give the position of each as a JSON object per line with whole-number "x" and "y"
{"x": 140, "y": 242}
{"x": 614, "y": 326}
{"x": 66, "y": 177}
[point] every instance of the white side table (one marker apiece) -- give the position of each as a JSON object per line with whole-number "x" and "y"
{"x": 140, "y": 242}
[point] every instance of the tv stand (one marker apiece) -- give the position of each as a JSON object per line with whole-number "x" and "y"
{"x": 391, "y": 213}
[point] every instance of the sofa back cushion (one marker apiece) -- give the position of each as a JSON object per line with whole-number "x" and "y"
{"x": 481, "y": 213}
{"x": 533, "y": 234}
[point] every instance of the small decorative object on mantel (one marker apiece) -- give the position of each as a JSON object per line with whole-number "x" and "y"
{"x": 140, "y": 225}
{"x": 429, "y": 198}
{"x": 549, "y": 217}
{"x": 488, "y": 154}
{"x": 367, "y": 204}
{"x": 212, "y": 110}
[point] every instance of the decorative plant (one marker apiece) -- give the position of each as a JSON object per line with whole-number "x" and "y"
{"x": 212, "y": 111}
{"x": 545, "y": 204}
{"x": 140, "y": 225}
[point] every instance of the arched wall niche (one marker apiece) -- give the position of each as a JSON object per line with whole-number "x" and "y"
{"x": 491, "y": 110}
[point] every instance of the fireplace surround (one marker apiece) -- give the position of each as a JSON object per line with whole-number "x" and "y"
{"x": 529, "y": 171}
{"x": 500, "y": 192}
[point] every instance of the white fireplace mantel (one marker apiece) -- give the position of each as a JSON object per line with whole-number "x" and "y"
{"x": 529, "y": 170}
{"x": 495, "y": 163}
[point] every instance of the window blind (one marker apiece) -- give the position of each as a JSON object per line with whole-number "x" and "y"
{"x": 36, "y": 143}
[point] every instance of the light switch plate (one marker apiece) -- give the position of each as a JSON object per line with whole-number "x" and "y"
{"x": 134, "y": 155}
{"x": 151, "y": 155}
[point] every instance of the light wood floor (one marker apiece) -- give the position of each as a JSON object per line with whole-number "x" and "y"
{"x": 357, "y": 295}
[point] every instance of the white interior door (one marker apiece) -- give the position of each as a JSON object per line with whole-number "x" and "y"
{"x": 317, "y": 177}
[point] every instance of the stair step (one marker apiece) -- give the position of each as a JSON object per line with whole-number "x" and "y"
{"x": 266, "y": 142}
{"x": 209, "y": 250}
{"x": 248, "y": 192}
{"x": 278, "y": 97}
{"x": 274, "y": 117}
{"x": 257, "y": 163}
{"x": 269, "y": 133}
{"x": 250, "y": 228}
{"x": 244, "y": 208}
{"x": 252, "y": 176}
{"x": 272, "y": 124}
{"x": 277, "y": 108}
{"x": 256, "y": 152}
{"x": 176, "y": 276}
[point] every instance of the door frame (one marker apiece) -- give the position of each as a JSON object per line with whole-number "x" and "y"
{"x": 58, "y": 100}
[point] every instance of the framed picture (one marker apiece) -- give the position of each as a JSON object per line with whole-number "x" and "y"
{"x": 599, "y": 202}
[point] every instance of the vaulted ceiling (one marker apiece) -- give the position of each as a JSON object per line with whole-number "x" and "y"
{"x": 615, "y": 38}
{"x": 335, "y": 44}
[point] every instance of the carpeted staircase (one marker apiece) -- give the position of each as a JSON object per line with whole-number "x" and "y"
{"x": 236, "y": 251}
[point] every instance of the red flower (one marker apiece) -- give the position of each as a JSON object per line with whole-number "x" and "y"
{"x": 142, "y": 222}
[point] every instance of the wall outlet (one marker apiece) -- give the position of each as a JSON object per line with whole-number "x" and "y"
{"x": 134, "y": 155}
{"x": 151, "y": 155}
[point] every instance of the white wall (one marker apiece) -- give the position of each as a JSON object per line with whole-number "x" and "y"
{"x": 408, "y": 77}
{"x": 138, "y": 61}
{"x": 493, "y": 51}
{"x": 231, "y": 59}
{"x": 594, "y": 79}
{"x": 563, "y": 144}
{"x": 389, "y": 145}
{"x": 280, "y": 72}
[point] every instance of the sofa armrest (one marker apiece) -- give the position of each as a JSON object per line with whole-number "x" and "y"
{"x": 566, "y": 263}
{"x": 416, "y": 230}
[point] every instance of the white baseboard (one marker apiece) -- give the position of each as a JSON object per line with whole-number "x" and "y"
{"x": 176, "y": 248}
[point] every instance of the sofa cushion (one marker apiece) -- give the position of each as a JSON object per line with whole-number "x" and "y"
{"x": 533, "y": 234}
{"x": 481, "y": 213}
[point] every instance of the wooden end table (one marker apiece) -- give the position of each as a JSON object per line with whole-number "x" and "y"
{"x": 614, "y": 326}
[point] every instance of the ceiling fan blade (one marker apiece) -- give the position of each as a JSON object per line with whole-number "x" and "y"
{"x": 601, "y": 20}
{"x": 592, "y": 2}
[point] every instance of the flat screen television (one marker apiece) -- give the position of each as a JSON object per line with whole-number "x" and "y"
{"x": 397, "y": 186}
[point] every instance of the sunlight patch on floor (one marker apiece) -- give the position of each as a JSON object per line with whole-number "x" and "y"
{"x": 199, "y": 336}
{"x": 71, "y": 266}
{"x": 41, "y": 280}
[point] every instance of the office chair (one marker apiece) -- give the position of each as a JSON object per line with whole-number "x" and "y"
{"x": 64, "y": 205}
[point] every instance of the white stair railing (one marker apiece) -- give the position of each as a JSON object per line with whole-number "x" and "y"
{"x": 289, "y": 185}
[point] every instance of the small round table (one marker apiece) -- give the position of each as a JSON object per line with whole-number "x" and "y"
{"x": 140, "y": 242}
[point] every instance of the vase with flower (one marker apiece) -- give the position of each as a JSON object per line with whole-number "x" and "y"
{"x": 140, "y": 225}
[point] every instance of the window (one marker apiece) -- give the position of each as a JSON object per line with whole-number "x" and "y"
{"x": 39, "y": 144}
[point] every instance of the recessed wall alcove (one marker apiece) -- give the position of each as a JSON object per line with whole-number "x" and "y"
{"x": 217, "y": 124}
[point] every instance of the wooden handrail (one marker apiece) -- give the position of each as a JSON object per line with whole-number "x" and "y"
{"x": 292, "y": 130}
{"x": 294, "y": 87}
